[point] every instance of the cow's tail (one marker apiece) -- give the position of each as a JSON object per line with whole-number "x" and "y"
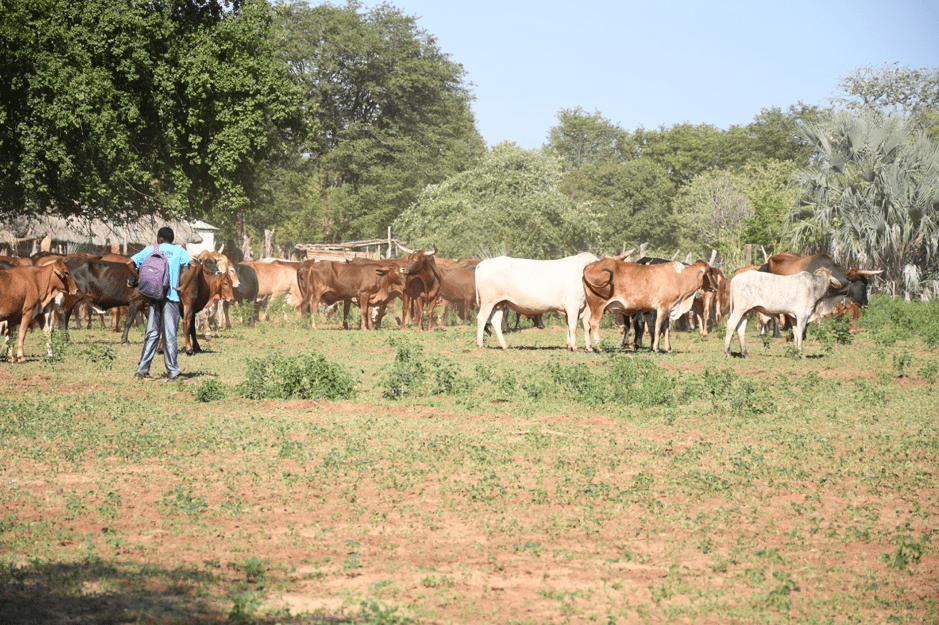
{"x": 602, "y": 284}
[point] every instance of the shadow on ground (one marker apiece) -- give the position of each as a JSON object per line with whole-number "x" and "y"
{"x": 99, "y": 593}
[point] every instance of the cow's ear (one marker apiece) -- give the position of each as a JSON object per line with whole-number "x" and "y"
{"x": 835, "y": 283}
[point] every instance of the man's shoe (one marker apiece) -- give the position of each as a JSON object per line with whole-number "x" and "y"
{"x": 142, "y": 376}
{"x": 172, "y": 380}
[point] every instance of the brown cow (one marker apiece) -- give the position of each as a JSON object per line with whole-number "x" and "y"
{"x": 26, "y": 291}
{"x": 198, "y": 289}
{"x": 422, "y": 286}
{"x": 708, "y": 309}
{"x": 667, "y": 289}
{"x": 277, "y": 277}
{"x": 219, "y": 261}
{"x": 15, "y": 261}
{"x": 457, "y": 290}
{"x": 369, "y": 283}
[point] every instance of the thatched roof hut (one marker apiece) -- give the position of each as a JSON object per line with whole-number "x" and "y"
{"x": 24, "y": 236}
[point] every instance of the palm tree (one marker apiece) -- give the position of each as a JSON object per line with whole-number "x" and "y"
{"x": 870, "y": 198}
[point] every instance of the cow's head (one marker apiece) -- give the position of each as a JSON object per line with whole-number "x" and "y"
{"x": 857, "y": 285}
{"x": 825, "y": 274}
{"x": 64, "y": 281}
{"x": 418, "y": 261}
{"x": 225, "y": 289}
{"x": 218, "y": 263}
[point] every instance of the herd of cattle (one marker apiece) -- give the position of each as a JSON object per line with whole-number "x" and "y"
{"x": 35, "y": 291}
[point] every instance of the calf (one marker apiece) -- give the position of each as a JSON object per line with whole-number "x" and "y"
{"x": 798, "y": 295}
{"x": 199, "y": 289}
{"x": 26, "y": 291}
{"x": 421, "y": 286}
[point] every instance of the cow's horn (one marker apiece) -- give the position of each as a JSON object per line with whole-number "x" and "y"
{"x": 869, "y": 272}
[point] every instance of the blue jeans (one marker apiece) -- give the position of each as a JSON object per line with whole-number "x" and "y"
{"x": 162, "y": 321}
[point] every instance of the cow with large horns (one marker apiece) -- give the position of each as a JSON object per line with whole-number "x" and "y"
{"x": 854, "y": 282}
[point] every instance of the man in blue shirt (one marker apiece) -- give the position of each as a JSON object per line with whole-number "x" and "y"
{"x": 163, "y": 317}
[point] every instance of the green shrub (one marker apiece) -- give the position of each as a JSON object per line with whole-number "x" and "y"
{"x": 412, "y": 375}
{"x": 625, "y": 379}
{"x": 639, "y": 382}
{"x": 209, "y": 390}
{"x": 307, "y": 376}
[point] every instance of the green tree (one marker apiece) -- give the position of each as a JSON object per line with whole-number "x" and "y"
{"x": 632, "y": 202}
{"x": 711, "y": 212}
{"x": 393, "y": 111}
{"x": 770, "y": 187}
{"x": 774, "y": 134}
{"x": 581, "y": 138}
{"x": 871, "y": 197}
{"x": 120, "y": 108}
{"x": 511, "y": 196}
{"x": 686, "y": 150}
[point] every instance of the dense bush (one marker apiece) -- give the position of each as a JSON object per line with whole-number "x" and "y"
{"x": 891, "y": 319}
{"x": 308, "y": 376}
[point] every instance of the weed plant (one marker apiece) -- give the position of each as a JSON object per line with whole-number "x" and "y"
{"x": 307, "y": 376}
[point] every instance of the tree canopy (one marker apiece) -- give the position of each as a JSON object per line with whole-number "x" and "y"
{"x": 121, "y": 108}
{"x": 511, "y": 196}
{"x": 393, "y": 111}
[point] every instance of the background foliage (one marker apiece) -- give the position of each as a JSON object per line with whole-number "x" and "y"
{"x": 325, "y": 123}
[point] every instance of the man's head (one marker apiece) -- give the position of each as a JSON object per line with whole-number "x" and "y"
{"x": 166, "y": 233}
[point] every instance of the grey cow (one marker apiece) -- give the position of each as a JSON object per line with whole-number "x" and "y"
{"x": 797, "y": 295}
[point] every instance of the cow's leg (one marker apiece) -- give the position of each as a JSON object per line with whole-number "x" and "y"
{"x": 431, "y": 304}
{"x": 591, "y": 322}
{"x": 132, "y": 311}
{"x": 800, "y": 327}
{"x": 733, "y": 322}
{"x": 346, "y": 304}
{"x": 639, "y": 330}
{"x": 655, "y": 332}
{"x": 21, "y": 339}
{"x": 363, "y": 311}
{"x": 741, "y": 336}
{"x": 405, "y": 305}
{"x": 483, "y": 317}
{"x": 497, "y": 317}
{"x": 570, "y": 315}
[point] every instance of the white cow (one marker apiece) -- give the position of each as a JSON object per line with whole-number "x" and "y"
{"x": 531, "y": 287}
{"x": 797, "y": 295}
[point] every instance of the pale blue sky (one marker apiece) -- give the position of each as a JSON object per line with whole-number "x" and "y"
{"x": 663, "y": 63}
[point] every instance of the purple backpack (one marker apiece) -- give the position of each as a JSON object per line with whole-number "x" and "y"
{"x": 154, "y": 275}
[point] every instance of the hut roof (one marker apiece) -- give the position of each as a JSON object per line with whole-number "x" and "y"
{"x": 98, "y": 232}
